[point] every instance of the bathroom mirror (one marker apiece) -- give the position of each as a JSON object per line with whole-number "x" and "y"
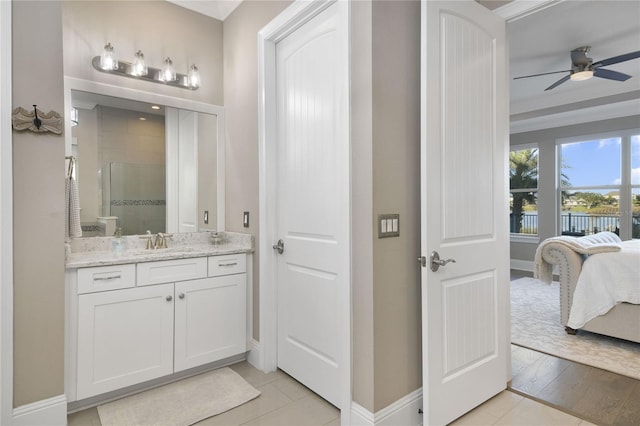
{"x": 144, "y": 162}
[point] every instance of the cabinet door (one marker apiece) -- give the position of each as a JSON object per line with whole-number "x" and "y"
{"x": 210, "y": 320}
{"x": 124, "y": 337}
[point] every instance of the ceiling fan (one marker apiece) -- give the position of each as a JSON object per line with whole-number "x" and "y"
{"x": 583, "y": 68}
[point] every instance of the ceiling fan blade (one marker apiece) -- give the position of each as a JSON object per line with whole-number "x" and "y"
{"x": 611, "y": 75}
{"x": 536, "y": 75}
{"x": 558, "y": 83}
{"x": 617, "y": 59}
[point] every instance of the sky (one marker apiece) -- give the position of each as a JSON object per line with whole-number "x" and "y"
{"x": 597, "y": 162}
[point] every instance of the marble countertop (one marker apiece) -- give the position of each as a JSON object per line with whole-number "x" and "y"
{"x": 96, "y": 251}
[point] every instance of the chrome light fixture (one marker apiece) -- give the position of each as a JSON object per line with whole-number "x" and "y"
{"x": 194, "y": 77}
{"x": 168, "y": 73}
{"x": 108, "y": 61}
{"x": 138, "y": 69}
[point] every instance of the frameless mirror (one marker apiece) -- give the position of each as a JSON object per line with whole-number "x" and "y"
{"x": 144, "y": 166}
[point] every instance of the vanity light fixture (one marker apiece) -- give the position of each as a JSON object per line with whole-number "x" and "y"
{"x": 138, "y": 69}
{"x": 168, "y": 73}
{"x": 194, "y": 77}
{"x": 108, "y": 61}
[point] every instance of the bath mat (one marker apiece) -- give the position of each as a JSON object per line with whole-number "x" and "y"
{"x": 184, "y": 402}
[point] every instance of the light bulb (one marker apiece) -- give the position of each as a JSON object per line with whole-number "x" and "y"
{"x": 168, "y": 73}
{"x": 108, "y": 61}
{"x": 194, "y": 77}
{"x": 582, "y": 75}
{"x": 139, "y": 68}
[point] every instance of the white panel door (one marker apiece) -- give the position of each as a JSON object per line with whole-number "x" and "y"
{"x": 464, "y": 207}
{"x": 210, "y": 320}
{"x": 124, "y": 337}
{"x": 312, "y": 203}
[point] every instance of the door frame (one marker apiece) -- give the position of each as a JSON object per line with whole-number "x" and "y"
{"x": 265, "y": 356}
{"x": 6, "y": 220}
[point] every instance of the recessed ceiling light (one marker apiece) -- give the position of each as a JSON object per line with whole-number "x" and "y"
{"x": 155, "y": 107}
{"x": 143, "y": 119}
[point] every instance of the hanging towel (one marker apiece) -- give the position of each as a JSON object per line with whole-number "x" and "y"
{"x": 72, "y": 209}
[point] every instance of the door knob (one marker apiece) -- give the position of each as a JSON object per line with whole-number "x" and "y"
{"x": 181, "y": 295}
{"x": 169, "y": 298}
{"x": 279, "y": 246}
{"x": 436, "y": 262}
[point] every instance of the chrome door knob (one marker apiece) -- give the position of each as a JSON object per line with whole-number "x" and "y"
{"x": 279, "y": 246}
{"x": 181, "y": 295}
{"x": 436, "y": 262}
{"x": 169, "y": 298}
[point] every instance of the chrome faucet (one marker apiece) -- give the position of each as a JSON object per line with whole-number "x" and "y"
{"x": 161, "y": 240}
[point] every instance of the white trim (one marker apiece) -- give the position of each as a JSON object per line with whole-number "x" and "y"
{"x": 6, "y": 219}
{"x": 50, "y": 411}
{"x": 255, "y": 357}
{"x": 522, "y": 265}
{"x": 523, "y": 238}
{"x": 401, "y": 412}
{"x": 289, "y": 20}
{"x": 518, "y": 9}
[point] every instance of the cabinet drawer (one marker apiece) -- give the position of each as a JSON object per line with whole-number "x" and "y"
{"x": 227, "y": 265}
{"x": 102, "y": 278}
{"x": 167, "y": 271}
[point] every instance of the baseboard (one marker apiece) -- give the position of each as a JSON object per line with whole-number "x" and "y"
{"x": 522, "y": 265}
{"x": 50, "y": 412}
{"x": 254, "y": 356}
{"x": 403, "y": 412}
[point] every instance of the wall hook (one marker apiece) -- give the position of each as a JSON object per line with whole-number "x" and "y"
{"x": 36, "y": 121}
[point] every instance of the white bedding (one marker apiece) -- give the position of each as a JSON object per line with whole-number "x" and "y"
{"x": 606, "y": 279}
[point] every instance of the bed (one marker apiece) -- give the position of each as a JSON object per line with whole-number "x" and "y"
{"x": 599, "y": 282}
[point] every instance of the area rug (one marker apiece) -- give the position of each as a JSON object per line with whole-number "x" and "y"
{"x": 535, "y": 324}
{"x": 181, "y": 403}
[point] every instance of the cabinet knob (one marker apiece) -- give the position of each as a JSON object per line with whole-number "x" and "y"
{"x": 169, "y": 298}
{"x": 181, "y": 295}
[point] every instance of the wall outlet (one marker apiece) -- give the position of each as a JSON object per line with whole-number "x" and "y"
{"x": 245, "y": 219}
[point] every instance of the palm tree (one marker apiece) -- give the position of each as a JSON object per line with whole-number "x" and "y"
{"x": 523, "y": 174}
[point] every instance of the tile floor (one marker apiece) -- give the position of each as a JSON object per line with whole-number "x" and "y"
{"x": 285, "y": 402}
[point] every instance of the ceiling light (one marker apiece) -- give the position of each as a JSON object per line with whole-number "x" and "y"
{"x": 155, "y": 107}
{"x": 108, "y": 59}
{"x": 139, "y": 68}
{"x": 582, "y": 75}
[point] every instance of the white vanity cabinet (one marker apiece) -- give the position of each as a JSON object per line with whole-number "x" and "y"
{"x": 168, "y": 316}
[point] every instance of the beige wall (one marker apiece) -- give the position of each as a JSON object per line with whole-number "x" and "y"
{"x": 38, "y": 179}
{"x": 396, "y": 189}
{"x": 158, "y": 28}
{"x": 241, "y": 106}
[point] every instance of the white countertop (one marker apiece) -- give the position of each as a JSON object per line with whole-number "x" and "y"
{"x": 95, "y": 251}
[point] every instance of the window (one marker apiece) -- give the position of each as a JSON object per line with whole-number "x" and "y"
{"x": 523, "y": 184}
{"x": 599, "y": 185}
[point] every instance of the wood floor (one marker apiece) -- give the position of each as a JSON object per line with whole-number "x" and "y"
{"x": 592, "y": 394}
{"x": 595, "y": 395}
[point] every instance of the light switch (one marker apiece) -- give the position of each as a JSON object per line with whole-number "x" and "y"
{"x": 388, "y": 225}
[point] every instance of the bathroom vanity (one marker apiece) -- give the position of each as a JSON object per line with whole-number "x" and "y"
{"x": 141, "y": 315}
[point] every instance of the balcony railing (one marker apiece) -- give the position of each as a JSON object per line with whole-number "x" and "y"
{"x": 576, "y": 224}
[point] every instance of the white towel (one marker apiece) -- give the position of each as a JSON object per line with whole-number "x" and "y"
{"x": 601, "y": 242}
{"x": 72, "y": 209}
